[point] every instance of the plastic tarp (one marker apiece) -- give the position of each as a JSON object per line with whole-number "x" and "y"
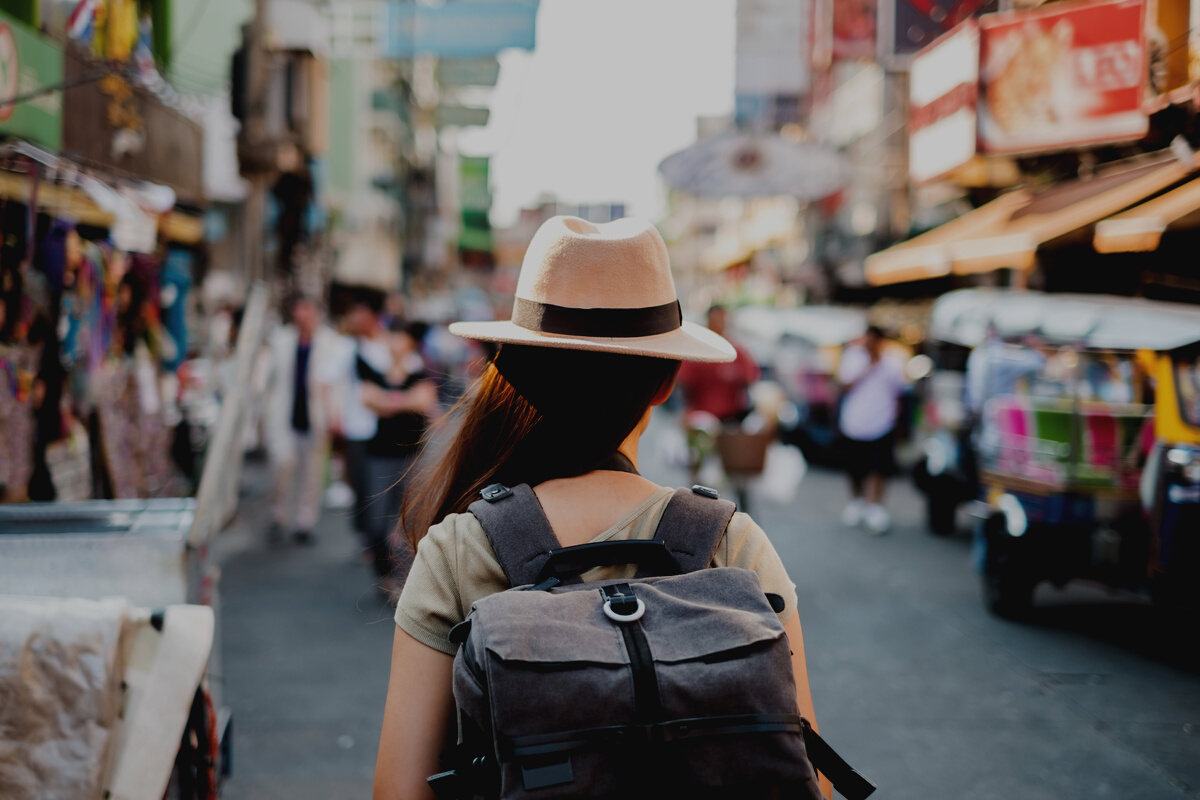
{"x": 60, "y": 694}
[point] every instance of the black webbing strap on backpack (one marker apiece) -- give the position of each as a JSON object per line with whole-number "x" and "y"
{"x": 847, "y": 780}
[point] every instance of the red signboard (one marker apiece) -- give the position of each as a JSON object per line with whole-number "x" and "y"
{"x": 1067, "y": 75}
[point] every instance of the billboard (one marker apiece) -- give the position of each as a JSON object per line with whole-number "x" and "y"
{"x": 28, "y": 63}
{"x": 842, "y": 30}
{"x": 943, "y": 91}
{"x": 1068, "y": 75}
{"x": 771, "y": 64}
{"x": 770, "y": 45}
{"x": 907, "y": 26}
{"x": 463, "y": 29}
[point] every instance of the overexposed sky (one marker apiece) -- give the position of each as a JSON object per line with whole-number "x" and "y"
{"x": 613, "y": 87}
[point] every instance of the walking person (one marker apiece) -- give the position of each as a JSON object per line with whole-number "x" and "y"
{"x": 358, "y": 423}
{"x": 594, "y": 343}
{"x": 715, "y": 395}
{"x": 297, "y": 421}
{"x": 870, "y": 407}
{"x": 403, "y": 401}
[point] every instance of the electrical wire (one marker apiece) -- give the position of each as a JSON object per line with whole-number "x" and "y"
{"x": 91, "y": 77}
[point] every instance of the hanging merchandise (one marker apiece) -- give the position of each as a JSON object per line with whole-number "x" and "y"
{"x": 176, "y": 282}
{"x": 82, "y": 24}
{"x": 122, "y": 29}
{"x": 89, "y": 329}
{"x": 17, "y": 364}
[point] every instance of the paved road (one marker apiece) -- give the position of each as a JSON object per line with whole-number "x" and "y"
{"x": 920, "y": 688}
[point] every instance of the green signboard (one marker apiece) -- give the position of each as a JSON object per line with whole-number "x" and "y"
{"x": 29, "y": 63}
{"x": 475, "y": 197}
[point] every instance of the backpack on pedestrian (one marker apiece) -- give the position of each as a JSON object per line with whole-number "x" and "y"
{"x": 675, "y": 683}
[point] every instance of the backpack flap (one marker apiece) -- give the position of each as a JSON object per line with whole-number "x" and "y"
{"x": 696, "y": 685}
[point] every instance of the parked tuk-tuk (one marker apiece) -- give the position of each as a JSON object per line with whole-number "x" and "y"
{"x": 1087, "y": 456}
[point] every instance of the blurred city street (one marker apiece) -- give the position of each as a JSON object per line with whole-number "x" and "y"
{"x": 254, "y": 252}
{"x": 914, "y": 682}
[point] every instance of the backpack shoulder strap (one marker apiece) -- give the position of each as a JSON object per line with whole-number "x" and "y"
{"x": 517, "y": 529}
{"x": 693, "y": 524}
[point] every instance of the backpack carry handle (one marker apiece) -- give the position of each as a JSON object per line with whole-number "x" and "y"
{"x": 568, "y": 562}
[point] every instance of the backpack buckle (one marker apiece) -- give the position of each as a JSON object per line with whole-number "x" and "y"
{"x": 705, "y": 491}
{"x": 496, "y": 492}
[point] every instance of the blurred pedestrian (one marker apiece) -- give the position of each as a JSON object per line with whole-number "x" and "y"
{"x": 870, "y": 406}
{"x": 302, "y": 353}
{"x": 715, "y": 395}
{"x": 403, "y": 399}
{"x": 359, "y": 424}
{"x": 722, "y": 390}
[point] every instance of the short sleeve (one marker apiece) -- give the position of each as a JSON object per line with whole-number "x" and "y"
{"x": 746, "y": 545}
{"x": 429, "y": 604}
{"x": 454, "y": 567}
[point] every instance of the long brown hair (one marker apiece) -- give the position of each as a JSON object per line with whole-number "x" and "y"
{"x": 535, "y": 413}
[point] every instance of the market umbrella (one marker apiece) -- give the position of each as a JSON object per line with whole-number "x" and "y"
{"x": 743, "y": 164}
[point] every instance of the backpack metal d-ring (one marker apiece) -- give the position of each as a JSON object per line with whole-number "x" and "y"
{"x": 623, "y": 618}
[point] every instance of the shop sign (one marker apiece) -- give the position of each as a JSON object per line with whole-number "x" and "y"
{"x": 462, "y": 29}
{"x": 943, "y": 89}
{"x": 28, "y": 63}
{"x": 908, "y": 26}
{"x": 452, "y": 115}
{"x": 468, "y": 71}
{"x": 1063, "y": 76}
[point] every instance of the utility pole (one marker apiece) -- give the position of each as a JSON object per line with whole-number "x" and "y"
{"x": 256, "y": 154}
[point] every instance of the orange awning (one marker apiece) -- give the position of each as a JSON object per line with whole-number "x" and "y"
{"x": 1140, "y": 229}
{"x": 1068, "y": 208}
{"x": 1006, "y": 233}
{"x": 930, "y": 254}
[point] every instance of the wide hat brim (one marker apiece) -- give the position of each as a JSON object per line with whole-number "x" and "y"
{"x": 689, "y": 342}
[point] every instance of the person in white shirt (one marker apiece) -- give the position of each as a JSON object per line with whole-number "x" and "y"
{"x": 871, "y": 386}
{"x": 302, "y": 354}
{"x": 367, "y": 341}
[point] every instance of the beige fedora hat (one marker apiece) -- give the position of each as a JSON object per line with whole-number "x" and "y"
{"x": 605, "y": 287}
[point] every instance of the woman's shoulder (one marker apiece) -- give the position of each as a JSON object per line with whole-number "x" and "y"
{"x": 746, "y": 543}
{"x": 460, "y": 542}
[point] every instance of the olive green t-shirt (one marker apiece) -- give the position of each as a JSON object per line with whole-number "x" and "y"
{"x": 456, "y": 566}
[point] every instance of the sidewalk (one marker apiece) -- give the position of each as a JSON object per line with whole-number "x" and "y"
{"x": 307, "y": 647}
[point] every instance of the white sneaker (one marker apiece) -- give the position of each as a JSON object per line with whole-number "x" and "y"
{"x": 876, "y": 519}
{"x": 852, "y": 514}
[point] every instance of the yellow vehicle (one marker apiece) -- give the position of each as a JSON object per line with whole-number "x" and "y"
{"x": 1089, "y": 465}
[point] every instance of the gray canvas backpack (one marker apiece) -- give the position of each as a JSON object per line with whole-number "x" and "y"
{"x": 676, "y": 683}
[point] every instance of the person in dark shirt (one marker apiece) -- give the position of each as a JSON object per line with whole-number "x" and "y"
{"x": 403, "y": 399}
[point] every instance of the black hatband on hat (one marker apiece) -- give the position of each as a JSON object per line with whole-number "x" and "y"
{"x": 615, "y": 323}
